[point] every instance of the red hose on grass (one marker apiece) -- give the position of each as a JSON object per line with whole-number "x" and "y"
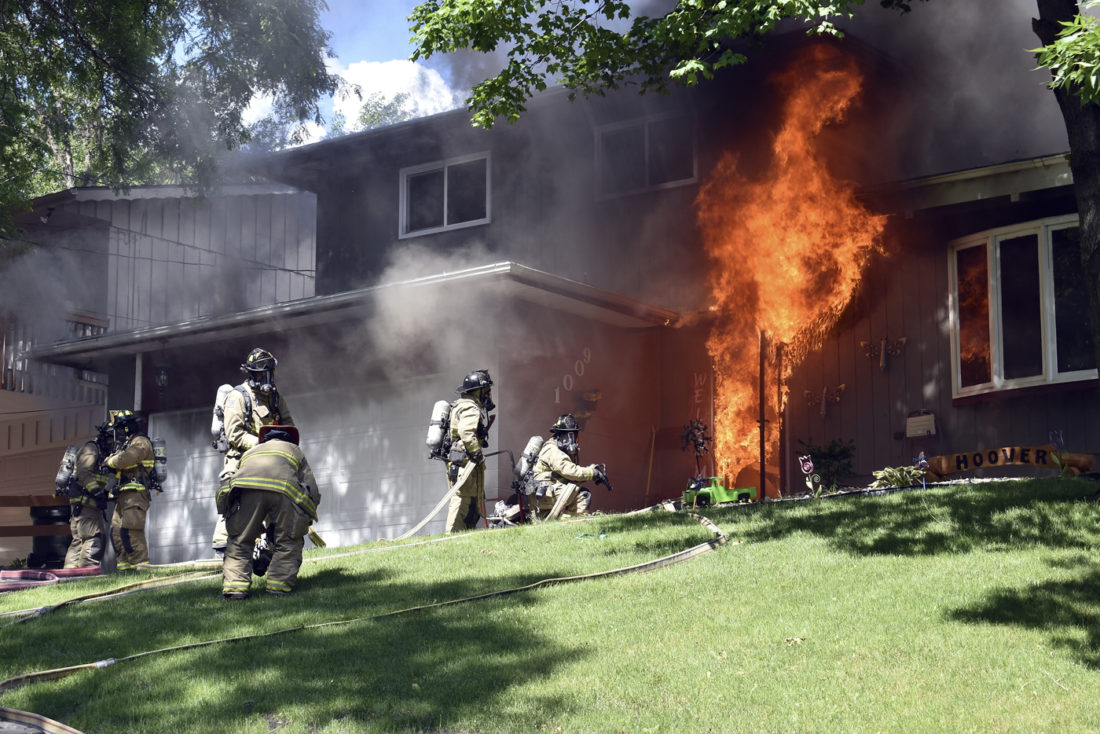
{"x": 25, "y": 578}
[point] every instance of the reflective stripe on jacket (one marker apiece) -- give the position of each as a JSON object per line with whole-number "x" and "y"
{"x": 279, "y": 466}
{"x": 133, "y": 464}
{"x": 554, "y": 465}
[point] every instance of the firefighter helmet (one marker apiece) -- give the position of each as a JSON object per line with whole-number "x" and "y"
{"x": 565, "y": 423}
{"x": 124, "y": 423}
{"x": 260, "y": 366}
{"x": 259, "y": 360}
{"x": 277, "y": 432}
{"x": 475, "y": 381}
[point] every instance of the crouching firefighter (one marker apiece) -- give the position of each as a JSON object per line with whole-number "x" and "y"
{"x": 469, "y": 433}
{"x": 83, "y": 479}
{"x": 274, "y": 486}
{"x": 132, "y": 462}
{"x": 557, "y": 474}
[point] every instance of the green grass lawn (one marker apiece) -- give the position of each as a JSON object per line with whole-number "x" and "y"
{"x": 973, "y": 608}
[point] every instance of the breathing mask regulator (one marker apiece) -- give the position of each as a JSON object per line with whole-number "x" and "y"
{"x": 564, "y": 431}
{"x": 260, "y": 366}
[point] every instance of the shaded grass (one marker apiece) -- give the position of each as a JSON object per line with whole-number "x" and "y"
{"x": 972, "y": 608}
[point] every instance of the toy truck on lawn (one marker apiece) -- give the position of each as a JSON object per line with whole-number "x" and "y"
{"x": 703, "y": 491}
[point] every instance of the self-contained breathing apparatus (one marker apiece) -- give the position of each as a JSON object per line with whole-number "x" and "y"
{"x": 441, "y": 445}
{"x": 220, "y": 441}
{"x": 124, "y": 426}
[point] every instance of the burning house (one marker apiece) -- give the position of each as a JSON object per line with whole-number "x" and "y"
{"x": 728, "y": 254}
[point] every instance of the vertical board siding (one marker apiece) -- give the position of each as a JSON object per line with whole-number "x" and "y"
{"x": 168, "y": 257}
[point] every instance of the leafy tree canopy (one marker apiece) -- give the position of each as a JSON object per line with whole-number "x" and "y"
{"x": 591, "y": 46}
{"x": 379, "y": 110}
{"x": 123, "y": 92}
{"x": 1074, "y": 56}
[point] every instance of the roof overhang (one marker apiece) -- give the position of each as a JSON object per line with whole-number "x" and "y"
{"x": 1009, "y": 180}
{"x": 507, "y": 279}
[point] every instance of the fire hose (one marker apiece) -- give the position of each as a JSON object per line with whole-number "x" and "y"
{"x": 35, "y": 721}
{"x": 464, "y": 475}
{"x": 717, "y": 541}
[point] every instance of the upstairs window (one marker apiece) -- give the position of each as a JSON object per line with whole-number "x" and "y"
{"x": 1020, "y": 311}
{"x": 645, "y": 154}
{"x": 444, "y": 195}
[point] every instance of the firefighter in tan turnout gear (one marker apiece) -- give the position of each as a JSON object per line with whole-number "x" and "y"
{"x": 470, "y": 422}
{"x": 557, "y": 474}
{"x": 273, "y": 486}
{"x": 87, "y": 492}
{"x": 132, "y": 463}
{"x": 254, "y": 403}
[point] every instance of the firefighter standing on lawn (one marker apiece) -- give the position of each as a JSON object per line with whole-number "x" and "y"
{"x": 132, "y": 463}
{"x": 273, "y": 487}
{"x": 470, "y": 423}
{"x": 87, "y": 524}
{"x": 242, "y": 425}
{"x": 557, "y": 474}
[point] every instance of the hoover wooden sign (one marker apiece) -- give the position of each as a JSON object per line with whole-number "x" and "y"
{"x": 1040, "y": 456}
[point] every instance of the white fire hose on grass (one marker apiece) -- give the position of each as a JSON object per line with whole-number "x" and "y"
{"x": 717, "y": 541}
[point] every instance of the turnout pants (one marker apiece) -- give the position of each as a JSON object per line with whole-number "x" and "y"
{"x": 290, "y": 526}
{"x": 464, "y": 509}
{"x": 576, "y": 504}
{"x": 128, "y": 528}
{"x": 89, "y": 532}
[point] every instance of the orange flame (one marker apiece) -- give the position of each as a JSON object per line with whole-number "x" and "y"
{"x": 787, "y": 252}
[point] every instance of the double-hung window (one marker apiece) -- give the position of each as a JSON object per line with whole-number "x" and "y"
{"x": 639, "y": 155}
{"x": 1020, "y": 311}
{"x": 443, "y": 195}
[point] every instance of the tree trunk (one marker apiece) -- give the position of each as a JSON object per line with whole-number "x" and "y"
{"x": 1083, "y": 128}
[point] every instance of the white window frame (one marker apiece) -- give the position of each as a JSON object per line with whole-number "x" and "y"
{"x": 645, "y": 123}
{"x": 442, "y": 165}
{"x": 1042, "y": 229}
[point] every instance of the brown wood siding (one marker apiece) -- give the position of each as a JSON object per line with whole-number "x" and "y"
{"x": 908, "y": 297}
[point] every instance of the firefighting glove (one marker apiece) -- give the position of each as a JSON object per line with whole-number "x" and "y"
{"x": 477, "y": 457}
{"x": 601, "y": 475}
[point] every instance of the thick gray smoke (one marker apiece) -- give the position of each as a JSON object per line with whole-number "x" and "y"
{"x": 969, "y": 93}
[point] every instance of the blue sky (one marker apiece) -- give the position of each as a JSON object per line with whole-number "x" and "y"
{"x": 371, "y": 41}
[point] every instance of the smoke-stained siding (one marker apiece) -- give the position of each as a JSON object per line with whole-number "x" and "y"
{"x": 173, "y": 258}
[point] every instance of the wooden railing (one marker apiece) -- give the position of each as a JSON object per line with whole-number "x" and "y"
{"x": 33, "y": 500}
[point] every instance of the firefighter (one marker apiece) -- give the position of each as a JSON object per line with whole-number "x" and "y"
{"x": 470, "y": 422}
{"x": 273, "y": 486}
{"x": 256, "y": 402}
{"x": 88, "y": 502}
{"x": 557, "y": 474}
{"x": 132, "y": 463}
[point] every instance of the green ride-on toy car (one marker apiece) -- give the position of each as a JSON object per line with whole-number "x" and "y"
{"x": 703, "y": 491}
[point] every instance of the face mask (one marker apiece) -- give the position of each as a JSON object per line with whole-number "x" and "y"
{"x": 263, "y": 381}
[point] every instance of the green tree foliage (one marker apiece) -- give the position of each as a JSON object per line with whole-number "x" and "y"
{"x": 379, "y": 110}
{"x": 123, "y": 92}
{"x": 592, "y": 47}
{"x": 1074, "y": 56}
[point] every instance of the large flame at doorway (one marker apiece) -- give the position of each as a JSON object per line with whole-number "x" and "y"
{"x": 786, "y": 253}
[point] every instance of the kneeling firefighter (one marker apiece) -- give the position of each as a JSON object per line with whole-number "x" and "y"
{"x": 274, "y": 486}
{"x": 469, "y": 432}
{"x": 132, "y": 462}
{"x": 557, "y": 474}
{"x": 82, "y": 477}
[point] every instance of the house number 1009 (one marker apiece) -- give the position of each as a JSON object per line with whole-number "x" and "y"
{"x": 568, "y": 378}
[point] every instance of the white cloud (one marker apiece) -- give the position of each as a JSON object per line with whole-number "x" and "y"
{"x": 428, "y": 92}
